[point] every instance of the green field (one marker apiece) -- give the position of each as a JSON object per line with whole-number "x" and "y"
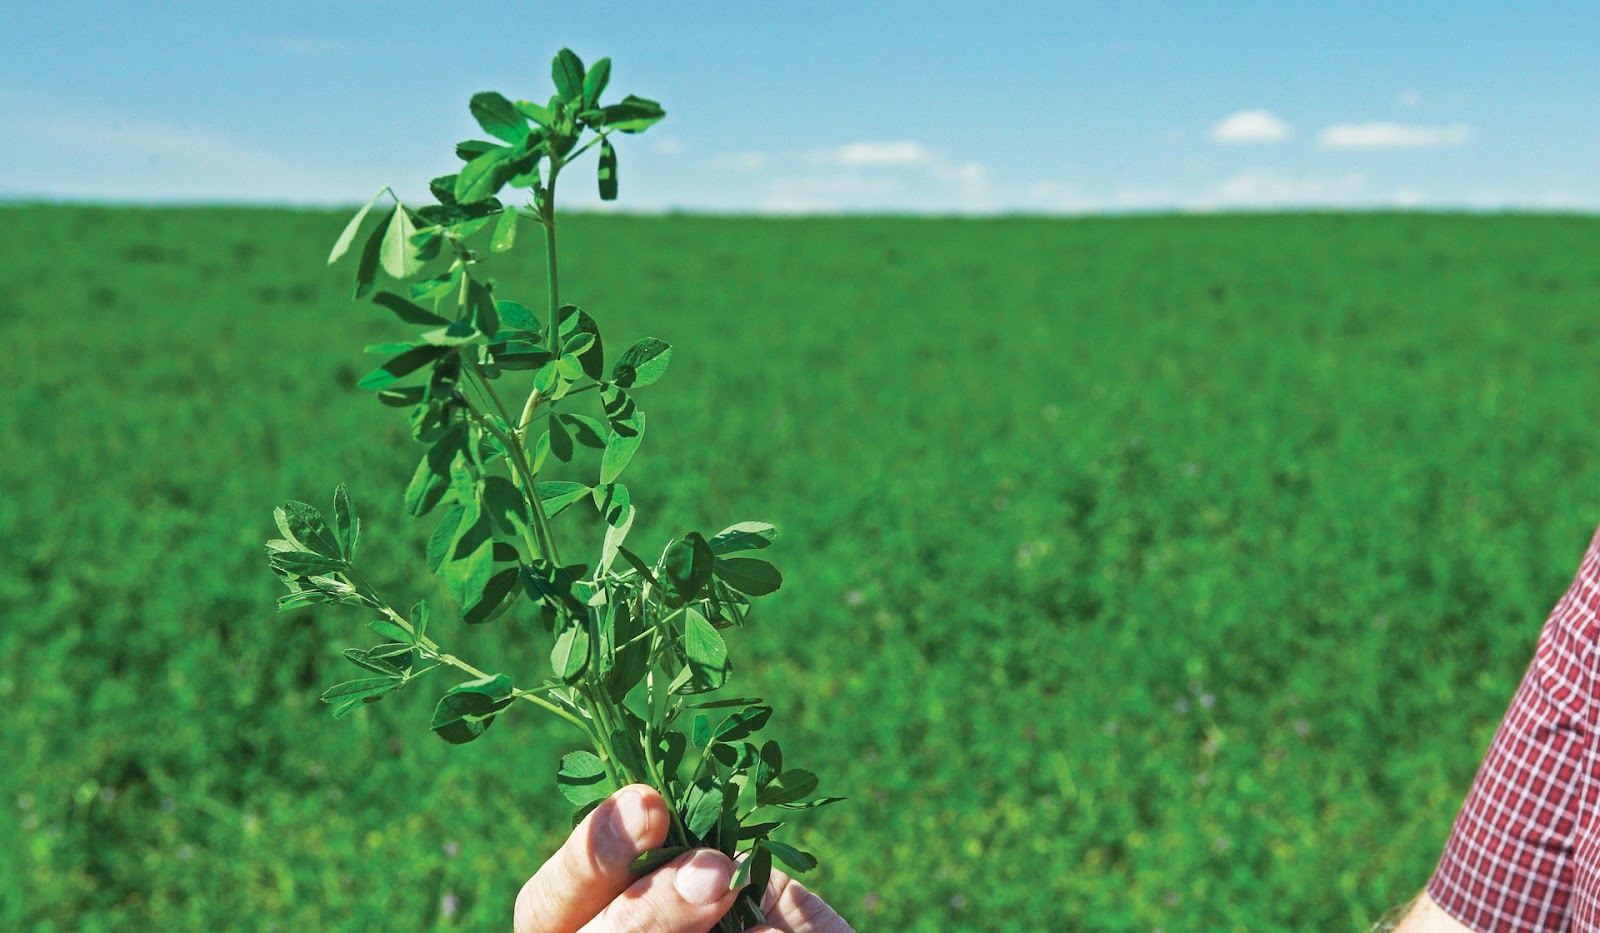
{"x": 1165, "y": 572}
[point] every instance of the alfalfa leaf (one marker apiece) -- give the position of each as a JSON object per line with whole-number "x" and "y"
{"x": 606, "y": 173}
{"x": 567, "y": 72}
{"x": 498, "y": 116}
{"x": 468, "y": 709}
{"x": 348, "y": 235}
{"x": 398, "y": 257}
{"x": 582, "y": 778}
{"x": 643, "y": 363}
{"x": 748, "y": 575}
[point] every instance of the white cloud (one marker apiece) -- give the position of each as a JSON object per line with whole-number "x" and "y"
{"x": 1267, "y": 188}
{"x": 900, "y": 175}
{"x": 1386, "y": 135}
{"x": 1250, "y": 126}
{"x": 667, "y": 146}
{"x": 885, "y": 154}
{"x": 1411, "y": 97}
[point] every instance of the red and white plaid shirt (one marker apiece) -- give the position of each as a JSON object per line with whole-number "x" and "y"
{"x": 1525, "y": 851}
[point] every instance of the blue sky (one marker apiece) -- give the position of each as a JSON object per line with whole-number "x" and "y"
{"x": 814, "y": 106}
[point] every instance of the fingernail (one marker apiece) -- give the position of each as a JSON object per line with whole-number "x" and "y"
{"x": 629, "y": 821}
{"x": 704, "y": 878}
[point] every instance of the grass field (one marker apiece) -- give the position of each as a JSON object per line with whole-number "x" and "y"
{"x": 1140, "y": 572}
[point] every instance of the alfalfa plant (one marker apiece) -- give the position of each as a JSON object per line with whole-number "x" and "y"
{"x": 637, "y": 658}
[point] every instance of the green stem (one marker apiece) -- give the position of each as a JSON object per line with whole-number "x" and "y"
{"x": 431, "y": 649}
{"x": 550, "y": 252}
{"x": 539, "y": 543}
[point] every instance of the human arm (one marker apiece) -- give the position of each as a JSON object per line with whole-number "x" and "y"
{"x": 1425, "y": 916}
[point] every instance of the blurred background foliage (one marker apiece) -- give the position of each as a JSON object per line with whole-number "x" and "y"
{"x": 1156, "y": 572}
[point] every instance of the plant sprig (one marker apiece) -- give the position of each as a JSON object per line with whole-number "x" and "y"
{"x": 637, "y": 656}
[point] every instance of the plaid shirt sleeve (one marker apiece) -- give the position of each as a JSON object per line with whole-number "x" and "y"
{"x": 1509, "y": 863}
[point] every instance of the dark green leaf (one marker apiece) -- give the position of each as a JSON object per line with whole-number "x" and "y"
{"x": 518, "y": 317}
{"x": 743, "y": 724}
{"x": 498, "y": 117}
{"x": 702, "y": 806}
{"x": 594, "y": 83}
{"x": 348, "y": 235}
{"x": 388, "y": 667}
{"x": 470, "y": 149}
{"x": 686, "y": 567}
{"x": 391, "y": 631}
{"x": 748, "y": 575}
{"x": 797, "y": 860}
{"x": 590, "y": 432}
{"x": 582, "y": 778}
{"x": 620, "y": 447}
{"x": 493, "y": 598}
{"x": 458, "y": 334}
{"x": 760, "y": 877}
{"x": 570, "y": 655}
{"x": 745, "y": 536}
{"x": 345, "y": 522}
{"x": 480, "y": 301}
{"x": 304, "y": 563}
{"x": 638, "y": 565}
{"x": 401, "y": 366}
{"x": 567, "y": 72}
{"x": 560, "y": 441}
{"x": 706, "y": 652}
{"x": 551, "y": 585}
{"x": 444, "y": 188}
{"x": 633, "y": 115}
{"x": 788, "y": 787}
{"x": 352, "y": 694}
{"x": 757, "y": 830}
{"x": 811, "y": 804}
{"x": 572, "y": 321}
{"x": 576, "y": 344}
{"x": 557, "y": 495}
{"x": 483, "y": 176}
{"x": 403, "y": 397}
{"x": 770, "y": 764}
{"x": 419, "y": 618}
{"x": 723, "y": 703}
{"x": 631, "y": 659}
{"x": 701, "y": 737}
{"x": 367, "y": 268}
{"x": 408, "y": 311}
{"x": 444, "y": 535}
{"x": 606, "y": 173}
{"x": 303, "y": 525}
{"x": 432, "y": 477}
{"x": 468, "y": 709}
{"x": 505, "y": 505}
{"x": 645, "y": 362}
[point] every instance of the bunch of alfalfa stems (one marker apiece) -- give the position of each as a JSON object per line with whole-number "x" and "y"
{"x": 638, "y": 664}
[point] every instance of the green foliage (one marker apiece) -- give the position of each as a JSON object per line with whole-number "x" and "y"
{"x": 1208, "y": 600}
{"x": 611, "y": 630}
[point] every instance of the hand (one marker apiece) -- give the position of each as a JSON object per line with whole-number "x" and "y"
{"x": 587, "y": 886}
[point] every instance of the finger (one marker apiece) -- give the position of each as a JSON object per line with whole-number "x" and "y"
{"x": 591, "y": 868}
{"x": 791, "y": 908}
{"x": 688, "y": 895}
